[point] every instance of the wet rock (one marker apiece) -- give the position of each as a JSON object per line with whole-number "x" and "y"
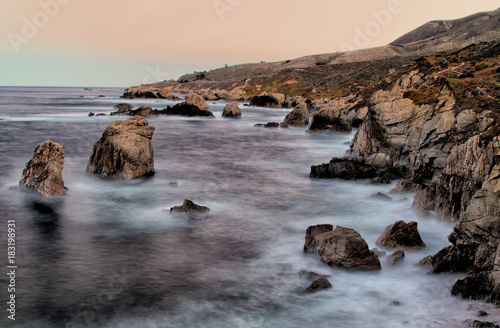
{"x": 298, "y": 117}
{"x": 136, "y": 93}
{"x": 312, "y": 275}
{"x": 357, "y": 168}
{"x": 479, "y": 324}
{"x": 91, "y": 114}
{"x": 272, "y": 125}
{"x": 101, "y": 114}
{"x": 381, "y": 196}
{"x": 189, "y": 207}
{"x": 318, "y": 285}
{"x": 474, "y": 286}
{"x": 395, "y": 257}
{"x": 401, "y": 235}
{"x": 330, "y": 119}
{"x": 343, "y": 248}
{"x": 124, "y": 150}
{"x": 232, "y": 110}
{"x": 123, "y": 108}
{"x": 43, "y": 173}
{"x": 284, "y": 125}
{"x": 274, "y": 100}
{"x": 194, "y": 105}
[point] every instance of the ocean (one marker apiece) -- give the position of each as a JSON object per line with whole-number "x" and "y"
{"x": 107, "y": 255}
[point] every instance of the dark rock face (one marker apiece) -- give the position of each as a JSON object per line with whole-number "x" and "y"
{"x": 318, "y": 285}
{"x": 357, "y": 168}
{"x": 124, "y": 150}
{"x": 395, "y": 257}
{"x": 298, "y": 117}
{"x": 274, "y": 100}
{"x": 272, "y": 125}
{"x": 189, "y": 207}
{"x": 134, "y": 93}
{"x": 232, "y": 110}
{"x": 479, "y": 324}
{"x": 329, "y": 120}
{"x": 43, "y": 173}
{"x": 342, "y": 248}
{"x": 401, "y": 235}
{"x": 194, "y": 105}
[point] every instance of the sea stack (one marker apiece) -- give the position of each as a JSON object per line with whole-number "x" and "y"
{"x": 43, "y": 173}
{"x": 124, "y": 150}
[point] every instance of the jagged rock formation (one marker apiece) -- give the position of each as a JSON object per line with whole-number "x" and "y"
{"x": 164, "y": 93}
{"x": 378, "y": 167}
{"x": 43, "y": 173}
{"x": 401, "y": 235}
{"x": 342, "y": 248}
{"x": 232, "y": 110}
{"x": 124, "y": 150}
{"x": 298, "y": 117}
{"x": 189, "y": 207}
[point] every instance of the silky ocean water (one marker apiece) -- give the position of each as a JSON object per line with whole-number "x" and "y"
{"x": 107, "y": 255}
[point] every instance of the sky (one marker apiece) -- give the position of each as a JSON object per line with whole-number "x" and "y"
{"x": 100, "y": 43}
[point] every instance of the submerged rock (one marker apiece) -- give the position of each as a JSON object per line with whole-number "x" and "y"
{"x": 401, "y": 235}
{"x": 124, "y": 150}
{"x": 272, "y": 125}
{"x": 43, "y": 173}
{"x": 479, "y": 324}
{"x": 343, "y": 248}
{"x": 232, "y": 110}
{"x": 189, "y": 207}
{"x": 395, "y": 257}
{"x": 318, "y": 285}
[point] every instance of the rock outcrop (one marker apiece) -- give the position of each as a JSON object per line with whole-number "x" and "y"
{"x": 342, "y": 248}
{"x": 273, "y": 100}
{"x": 298, "y": 117}
{"x": 318, "y": 285}
{"x": 401, "y": 235}
{"x": 476, "y": 244}
{"x": 43, "y": 173}
{"x": 189, "y": 207}
{"x": 124, "y": 150}
{"x": 232, "y": 110}
{"x": 164, "y": 93}
{"x": 377, "y": 166}
{"x": 194, "y": 105}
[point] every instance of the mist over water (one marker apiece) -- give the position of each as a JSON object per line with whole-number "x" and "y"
{"x": 106, "y": 255}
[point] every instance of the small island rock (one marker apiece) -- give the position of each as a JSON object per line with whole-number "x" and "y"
{"x": 43, "y": 173}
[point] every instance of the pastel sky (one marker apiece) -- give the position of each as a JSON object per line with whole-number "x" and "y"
{"x": 125, "y": 42}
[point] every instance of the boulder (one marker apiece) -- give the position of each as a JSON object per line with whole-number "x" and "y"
{"x": 342, "y": 248}
{"x": 194, "y": 105}
{"x": 166, "y": 93}
{"x": 401, "y": 235}
{"x": 189, "y": 207}
{"x": 272, "y": 125}
{"x": 124, "y": 150}
{"x": 123, "y": 108}
{"x": 357, "y": 168}
{"x": 395, "y": 257}
{"x": 318, "y": 285}
{"x": 274, "y": 100}
{"x": 43, "y": 173}
{"x": 232, "y": 110}
{"x": 91, "y": 114}
{"x": 298, "y": 117}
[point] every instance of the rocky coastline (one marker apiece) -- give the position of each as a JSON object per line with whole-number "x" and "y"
{"x": 430, "y": 122}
